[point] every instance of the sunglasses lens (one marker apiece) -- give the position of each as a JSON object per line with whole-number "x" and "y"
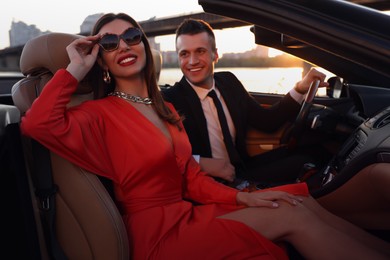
{"x": 132, "y": 36}
{"x": 109, "y": 42}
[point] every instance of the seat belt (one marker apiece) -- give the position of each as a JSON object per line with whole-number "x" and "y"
{"x": 45, "y": 190}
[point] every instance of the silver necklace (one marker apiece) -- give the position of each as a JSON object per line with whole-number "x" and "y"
{"x": 135, "y": 99}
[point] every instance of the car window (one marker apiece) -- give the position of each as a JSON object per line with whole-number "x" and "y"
{"x": 277, "y": 73}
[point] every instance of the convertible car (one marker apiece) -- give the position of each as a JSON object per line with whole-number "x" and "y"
{"x": 54, "y": 210}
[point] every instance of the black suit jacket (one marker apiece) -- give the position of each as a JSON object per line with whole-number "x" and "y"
{"x": 244, "y": 110}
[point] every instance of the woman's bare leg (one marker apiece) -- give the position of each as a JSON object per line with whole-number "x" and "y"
{"x": 309, "y": 234}
{"x": 365, "y": 199}
{"x": 347, "y": 227}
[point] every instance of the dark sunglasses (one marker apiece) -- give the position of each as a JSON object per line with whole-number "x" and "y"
{"x": 110, "y": 42}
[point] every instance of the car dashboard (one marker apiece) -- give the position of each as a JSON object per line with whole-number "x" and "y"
{"x": 369, "y": 143}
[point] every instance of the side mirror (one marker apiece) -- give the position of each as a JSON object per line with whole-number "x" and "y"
{"x": 335, "y": 87}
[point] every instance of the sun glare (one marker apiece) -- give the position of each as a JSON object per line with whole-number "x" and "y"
{"x": 235, "y": 40}
{"x": 274, "y": 52}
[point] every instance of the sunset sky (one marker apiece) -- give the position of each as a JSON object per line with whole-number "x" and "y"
{"x": 67, "y": 16}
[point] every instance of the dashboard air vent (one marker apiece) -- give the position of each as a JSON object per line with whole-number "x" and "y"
{"x": 382, "y": 121}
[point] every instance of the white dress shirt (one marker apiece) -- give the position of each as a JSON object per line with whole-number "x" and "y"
{"x": 218, "y": 149}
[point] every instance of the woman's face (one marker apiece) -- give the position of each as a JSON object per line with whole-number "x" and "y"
{"x": 126, "y": 61}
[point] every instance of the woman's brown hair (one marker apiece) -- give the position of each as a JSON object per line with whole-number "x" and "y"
{"x": 101, "y": 89}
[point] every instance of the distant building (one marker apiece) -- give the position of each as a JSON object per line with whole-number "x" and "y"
{"x": 20, "y": 33}
{"x": 170, "y": 58}
{"x": 87, "y": 26}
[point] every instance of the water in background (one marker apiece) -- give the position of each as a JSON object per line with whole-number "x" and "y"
{"x": 267, "y": 80}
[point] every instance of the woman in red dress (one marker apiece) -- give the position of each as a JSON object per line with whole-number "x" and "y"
{"x": 135, "y": 139}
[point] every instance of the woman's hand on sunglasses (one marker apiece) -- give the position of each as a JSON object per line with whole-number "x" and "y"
{"x": 82, "y": 54}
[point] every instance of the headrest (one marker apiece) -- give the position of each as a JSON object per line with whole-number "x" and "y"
{"x": 46, "y": 52}
{"x": 157, "y": 59}
{"x": 40, "y": 59}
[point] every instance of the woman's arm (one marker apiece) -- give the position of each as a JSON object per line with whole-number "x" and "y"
{"x": 204, "y": 189}
{"x": 66, "y": 132}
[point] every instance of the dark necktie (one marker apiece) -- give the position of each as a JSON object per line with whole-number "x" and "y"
{"x": 227, "y": 138}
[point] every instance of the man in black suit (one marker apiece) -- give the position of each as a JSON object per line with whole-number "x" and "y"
{"x": 196, "y": 47}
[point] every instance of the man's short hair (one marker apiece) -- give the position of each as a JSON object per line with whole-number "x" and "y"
{"x": 192, "y": 26}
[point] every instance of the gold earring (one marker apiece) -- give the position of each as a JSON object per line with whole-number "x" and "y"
{"x": 106, "y": 77}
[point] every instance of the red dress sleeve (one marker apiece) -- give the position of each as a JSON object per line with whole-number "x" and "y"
{"x": 68, "y": 132}
{"x": 204, "y": 189}
{"x": 197, "y": 186}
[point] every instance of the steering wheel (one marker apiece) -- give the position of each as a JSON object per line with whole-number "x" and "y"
{"x": 297, "y": 128}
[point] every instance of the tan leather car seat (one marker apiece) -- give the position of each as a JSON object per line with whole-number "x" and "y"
{"x": 88, "y": 224}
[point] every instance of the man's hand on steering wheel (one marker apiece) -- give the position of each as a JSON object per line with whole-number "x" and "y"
{"x": 303, "y": 86}
{"x": 307, "y": 86}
